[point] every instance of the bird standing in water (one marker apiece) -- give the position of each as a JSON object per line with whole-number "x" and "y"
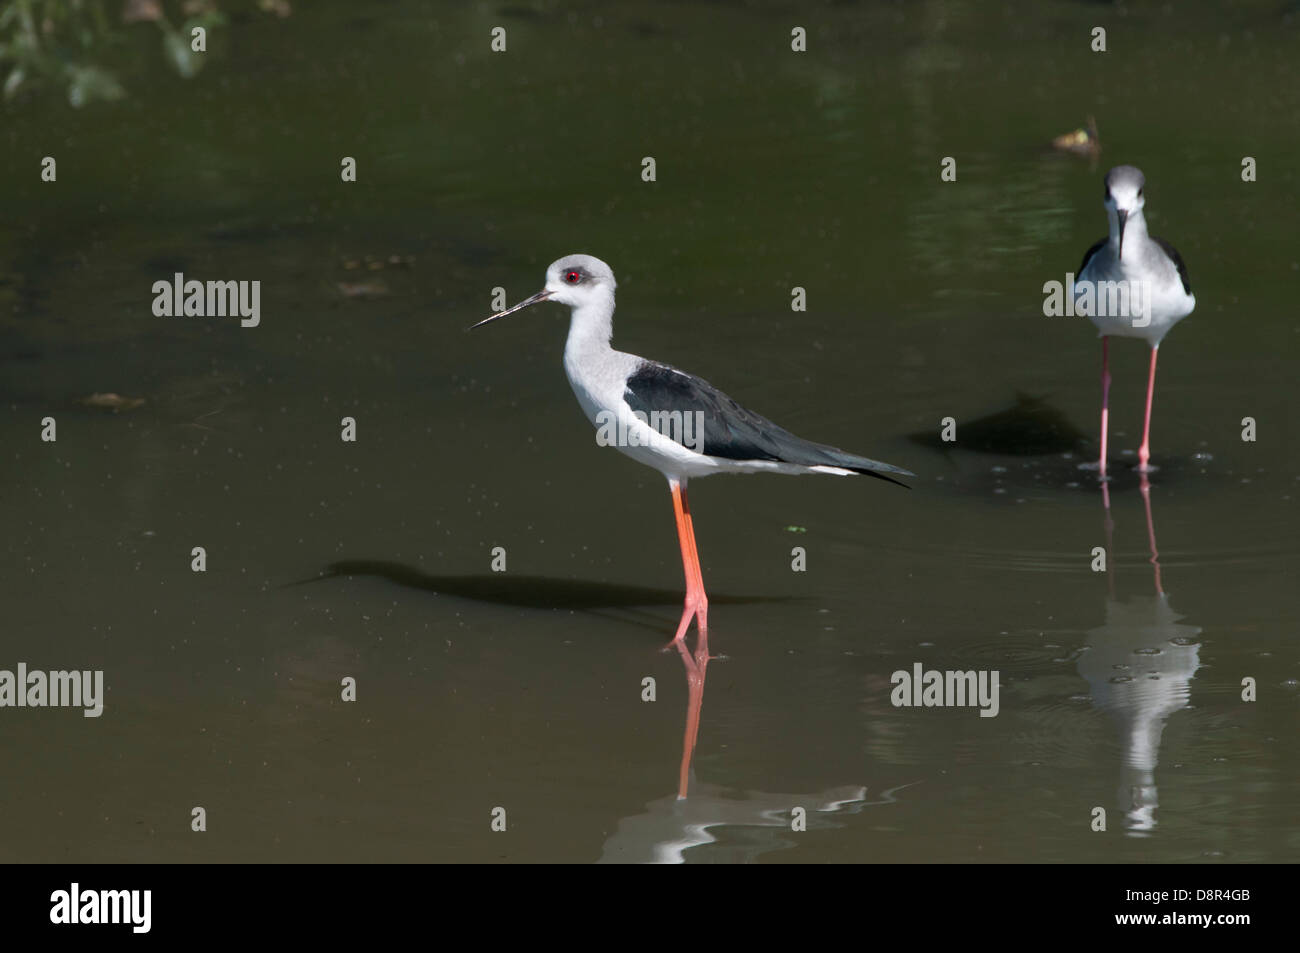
{"x": 638, "y": 399}
{"x": 1150, "y": 278}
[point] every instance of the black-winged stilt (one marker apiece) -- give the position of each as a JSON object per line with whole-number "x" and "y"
{"x": 1144, "y": 271}
{"x": 638, "y": 399}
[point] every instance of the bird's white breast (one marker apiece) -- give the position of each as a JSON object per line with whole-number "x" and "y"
{"x": 1166, "y": 301}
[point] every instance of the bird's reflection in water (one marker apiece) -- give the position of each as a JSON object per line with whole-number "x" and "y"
{"x": 696, "y": 664}
{"x": 1140, "y": 665}
{"x": 758, "y": 822}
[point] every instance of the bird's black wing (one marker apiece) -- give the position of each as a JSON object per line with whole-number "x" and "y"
{"x": 1172, "y": 252}
{"x": 1087, "y": 256}
{"x": 731, "y": 431}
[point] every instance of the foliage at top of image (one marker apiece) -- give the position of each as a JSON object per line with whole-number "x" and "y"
{"x": 64, "y": 44}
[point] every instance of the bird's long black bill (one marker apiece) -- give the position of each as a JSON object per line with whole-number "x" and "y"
{"x": 1123, "y": 219}
{"x": 539, "y": 297}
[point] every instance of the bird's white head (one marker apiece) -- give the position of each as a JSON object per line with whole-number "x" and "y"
{"x": 1124, "y": 198}
{"x": 583, "y": 282}
{"x": 577, "y": 280}
{"x": 1124, "y": 185}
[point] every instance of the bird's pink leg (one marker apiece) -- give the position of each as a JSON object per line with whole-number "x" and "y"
{"x": 697, "y": 603}
{"x": 1144, "y": 451}
{"x": 697, "y": 607}
{"x": 1105, "y": 403}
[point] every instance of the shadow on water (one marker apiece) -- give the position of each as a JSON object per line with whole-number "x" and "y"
{"x": 1032, "y": 446}
{"x": 532, "y": 592}
{"x": 1041, "y": 449}
{"x": 1030, "y": 428}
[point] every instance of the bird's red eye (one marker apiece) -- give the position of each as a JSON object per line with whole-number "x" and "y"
{"x": 572, "y": 277}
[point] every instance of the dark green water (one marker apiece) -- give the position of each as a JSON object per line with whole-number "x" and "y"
{"x": 523, "y": 690}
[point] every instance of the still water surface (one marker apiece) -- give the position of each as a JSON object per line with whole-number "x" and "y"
{"x": 372, "y": 560}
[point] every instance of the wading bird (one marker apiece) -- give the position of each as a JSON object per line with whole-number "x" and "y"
{"x": 628, "y": 395}
{"x": 1149, "y": 270}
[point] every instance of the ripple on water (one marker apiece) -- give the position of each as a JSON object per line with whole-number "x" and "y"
{"x": 991, "y": 475}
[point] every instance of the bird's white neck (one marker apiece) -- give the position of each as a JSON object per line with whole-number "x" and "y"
{"x": 591, "y": 325}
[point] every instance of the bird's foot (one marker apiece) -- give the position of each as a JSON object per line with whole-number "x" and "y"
{"x": 1095, "y": 466}
{"x": 680, "y": 646}
{"x": 698, "y": 614}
